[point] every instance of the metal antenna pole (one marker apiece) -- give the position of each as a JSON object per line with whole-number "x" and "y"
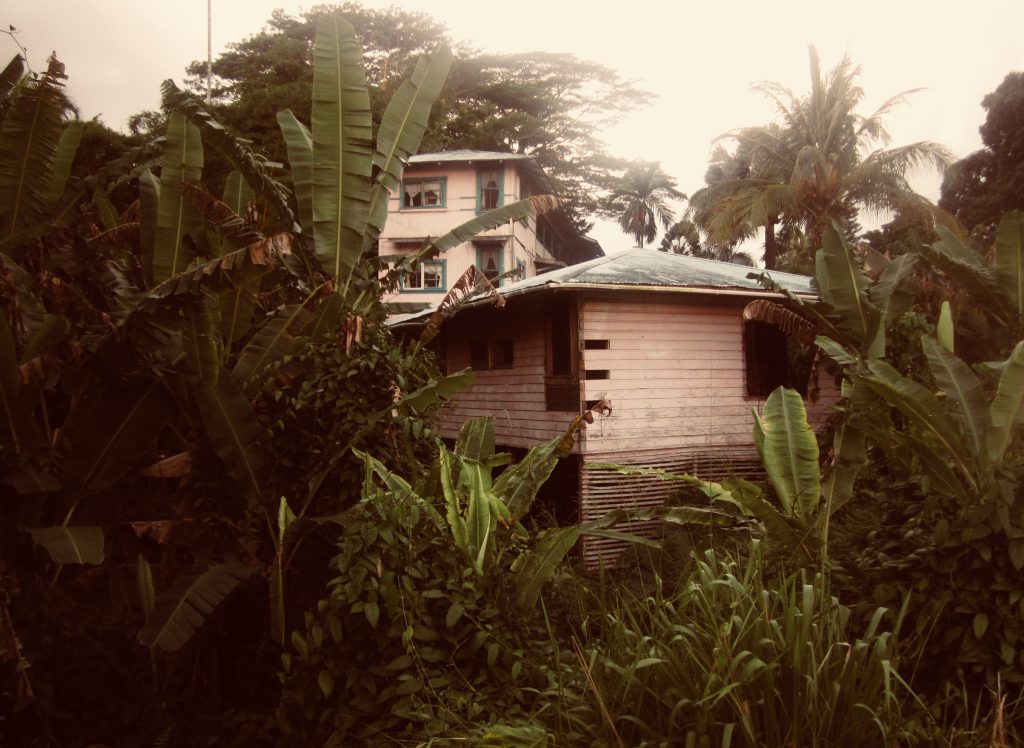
{"x": 209, "y": 50}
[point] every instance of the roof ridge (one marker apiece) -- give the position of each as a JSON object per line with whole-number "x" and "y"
{"x": 582, "y": 267}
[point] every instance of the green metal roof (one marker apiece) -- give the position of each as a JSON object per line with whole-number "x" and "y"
{"x": 650, "y": 270}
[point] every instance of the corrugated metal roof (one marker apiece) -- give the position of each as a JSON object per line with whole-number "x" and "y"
{"x": 649, "y": 269}
{"x": 466, "y": 155}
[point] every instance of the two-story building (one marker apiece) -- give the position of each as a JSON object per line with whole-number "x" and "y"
{"x": 440, "y": 191}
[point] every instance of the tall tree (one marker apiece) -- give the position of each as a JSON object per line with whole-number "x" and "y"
{"x": 641, "y": 200}
{"x": 824, "y": 162}
{"x": 980, "y": 188}
{"x": 550, "y": 106}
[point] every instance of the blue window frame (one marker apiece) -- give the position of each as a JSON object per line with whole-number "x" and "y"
{"x": 490, "y": 187}
{"x": 490, "y": 260}
{"x": 430, "y": 276}
{"x": 429, "y": 192}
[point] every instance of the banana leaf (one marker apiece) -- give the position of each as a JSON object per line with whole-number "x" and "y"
{"x": 149, "y": 207}
{"x": 922, "y": 408}
{"x": 71, "y": 545}
{"x": 17, "y": 426}
{"x": 29, "y": 138}
{"x": 253, "y": 167}
{"x": 434, "y": 391}
{"x": 10, "y": 77}
{"x": 964, "y": 394}
{"x": 342, "y": 151}
{"x": 535, "y": 205}
{"x": 789, "y": 451}
{"x": 201, "y": 338}
{"x": 401, "y": 130}
{"x": 237, "y": 193}
{"x": 1009, "y": 260}
{"x": 476, "y": 438}
{"x": 965, "y": 267}
{"x": 237, "y": 306}
{"x": 182, "y": 162}
{"x": 275, "y": 338}
{"x": 62, "y": 158}
{"x": 182, "y": 610}
{"x": 1007, "y": 408}
{"x": 843, "y": 286}
{"x": 234, "y": 432}
{"x": 538, "y": 566}
{"x": 299, "y": 142}
{"x": 108, "y": 433}
{"x": 944, "y": 331}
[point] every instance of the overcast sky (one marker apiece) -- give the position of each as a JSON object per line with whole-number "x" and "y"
{"x": 701, "y": 61}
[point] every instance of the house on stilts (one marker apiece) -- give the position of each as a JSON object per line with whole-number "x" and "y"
{"x": 680, "y": 350}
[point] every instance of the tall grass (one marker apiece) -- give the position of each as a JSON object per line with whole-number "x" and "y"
{"x": 734, "y": 659}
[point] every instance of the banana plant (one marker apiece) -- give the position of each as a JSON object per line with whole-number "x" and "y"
{"x": 996, "y": 286}
{"x": 36, "y": 150}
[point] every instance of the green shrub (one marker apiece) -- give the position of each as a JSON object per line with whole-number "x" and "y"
{"x": 733, "y": 657}
{"x": 409, "y": 640}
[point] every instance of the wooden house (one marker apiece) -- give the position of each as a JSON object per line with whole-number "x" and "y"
{"x": 440, "y": 191}
{"x": 678, "y": 347}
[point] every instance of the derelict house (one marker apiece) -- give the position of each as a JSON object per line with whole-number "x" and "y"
{"x": 679, "y": 348}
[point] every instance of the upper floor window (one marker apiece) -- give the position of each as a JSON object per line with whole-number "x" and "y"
{"x": 429, "y": 276}
{"x": 424, "y": 193}
{"x": 489, "y": 261}
{"x": 489, "y": 188}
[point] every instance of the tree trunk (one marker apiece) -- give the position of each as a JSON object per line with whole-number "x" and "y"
{"x": 771, "y": 246}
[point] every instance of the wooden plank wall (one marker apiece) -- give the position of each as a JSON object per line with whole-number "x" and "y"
{"x": 676, "y": 381}
{"x": 603, "y": 489}
{"x": 676, "y": 373}
{"x": 515, "y": 396}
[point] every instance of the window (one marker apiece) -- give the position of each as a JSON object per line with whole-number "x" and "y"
{"x": 489, "y": 261}
{"x": 424, "y": 193}
{"x": 561, "y": 370}
{"x": 429, "y": 276}
{"x": 489, "y": 188}
{"x": 491, "y": 354}
{"x": 774, "y": 359}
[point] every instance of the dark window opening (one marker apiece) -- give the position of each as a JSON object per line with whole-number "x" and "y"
{"x": 596, "y": 345}
{"x": 598, "y": 374}
{"x": 478, "y": 353}
{"x": 502, "y": 354}
{"x": 773, "y": 359}
{"x": 493, "y": 354}
{"x": 561, "y": 381}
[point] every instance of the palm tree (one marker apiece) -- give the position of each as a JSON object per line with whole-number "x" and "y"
{"x": 641, "y": 201}
{"x": 686, "y": 238}
{"x": 823, "y": 163}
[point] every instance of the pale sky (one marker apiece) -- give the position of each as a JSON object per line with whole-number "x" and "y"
{"x": 701, "y": 59}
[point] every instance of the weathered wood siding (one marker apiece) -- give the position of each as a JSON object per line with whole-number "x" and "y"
{"x": 675, "y": 373}
{"x": 676, "y": 380}
{"x": 514, "y": 396}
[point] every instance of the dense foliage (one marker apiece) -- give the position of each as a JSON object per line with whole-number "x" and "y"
{"x": 983, "y": 186}
{"x": 226, "y": 518}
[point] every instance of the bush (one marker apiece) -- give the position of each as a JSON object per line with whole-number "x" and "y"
{"x": 733, "y": 656}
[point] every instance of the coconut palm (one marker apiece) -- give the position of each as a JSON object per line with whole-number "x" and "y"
{"x": 824, "y": 162}
{"x": 641, "y": 201}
